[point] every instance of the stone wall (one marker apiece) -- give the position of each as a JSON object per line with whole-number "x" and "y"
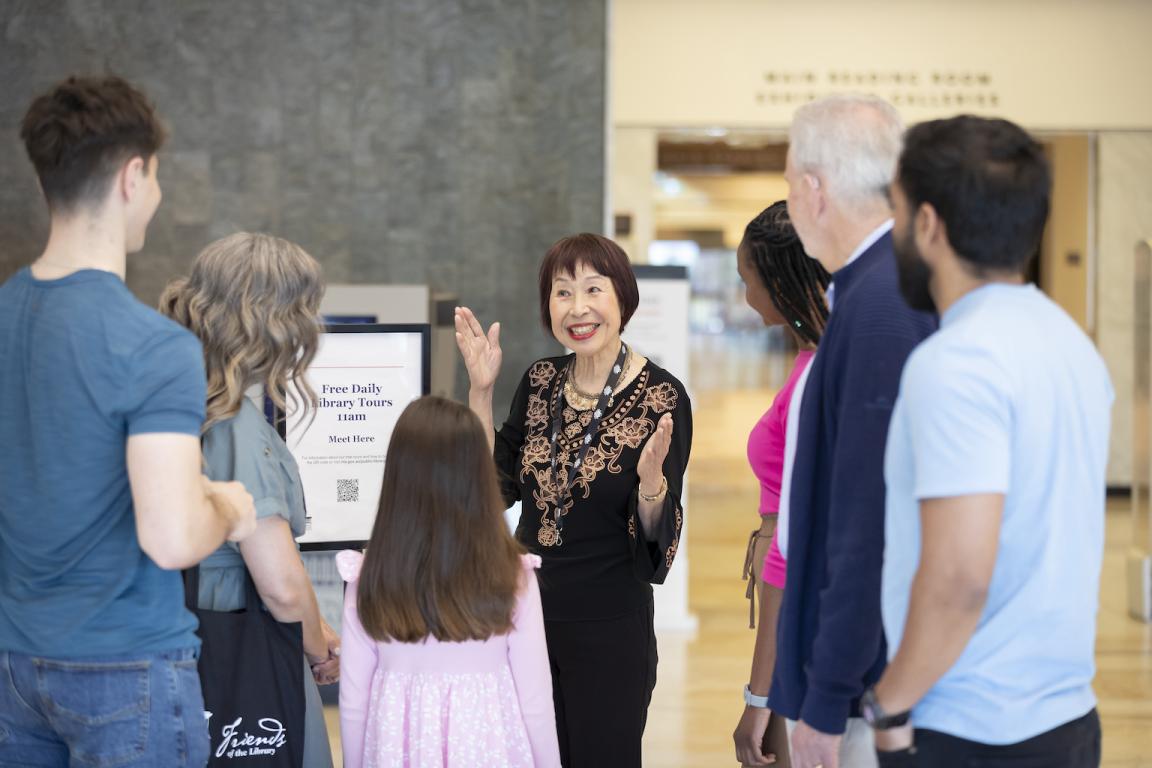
{"x": 446, "y": 142}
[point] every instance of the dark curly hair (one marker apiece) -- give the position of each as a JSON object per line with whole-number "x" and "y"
{"x": 795, "y": 281}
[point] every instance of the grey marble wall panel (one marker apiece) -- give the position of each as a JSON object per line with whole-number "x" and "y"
{"x": 447, "y": 142}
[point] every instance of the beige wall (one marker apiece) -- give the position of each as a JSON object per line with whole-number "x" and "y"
{"x": 1124, "y": 208}
{"x": 630, "y": 185}
{"x": 1056, "y": 64}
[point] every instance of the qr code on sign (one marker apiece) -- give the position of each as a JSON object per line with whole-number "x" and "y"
{"x": 347, "y": 490}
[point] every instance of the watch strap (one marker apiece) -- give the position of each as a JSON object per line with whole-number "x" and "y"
{"x": 875, "y": 715}
{"x": 752, "y": 700}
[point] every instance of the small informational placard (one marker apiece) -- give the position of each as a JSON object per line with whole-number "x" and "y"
{"x": 364, "y": 375}
{"x": 659, "y": 331}
{"x": 659, "y": 327}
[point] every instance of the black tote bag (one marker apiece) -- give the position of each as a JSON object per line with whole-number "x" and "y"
{"x": 252, "y": 673}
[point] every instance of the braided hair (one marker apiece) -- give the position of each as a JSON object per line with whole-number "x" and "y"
{"x": 795, "y": 281}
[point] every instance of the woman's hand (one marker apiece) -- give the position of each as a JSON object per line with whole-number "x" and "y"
{"x": 749, "y": 737}
{"x": 651, "y": 466}
{"x": 481, "y": 352}
{"x": 327, "y": 671}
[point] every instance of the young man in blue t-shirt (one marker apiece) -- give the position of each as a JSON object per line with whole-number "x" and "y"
{"x": 995, "y": 468}
{"x": 101, "y": 496}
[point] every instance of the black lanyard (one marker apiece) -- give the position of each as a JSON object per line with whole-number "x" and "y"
{"x": 551, "y": 526}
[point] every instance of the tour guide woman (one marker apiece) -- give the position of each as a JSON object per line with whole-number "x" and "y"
{"x": 595, "y": 448}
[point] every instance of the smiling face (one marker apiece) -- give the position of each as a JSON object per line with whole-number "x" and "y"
{"x": 585, "y": 311}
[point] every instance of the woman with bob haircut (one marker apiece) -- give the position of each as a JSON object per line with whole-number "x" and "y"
{"x": 253, "y": 300}
{"x": 595, "y": 447}
{"x": 444, "y": 657}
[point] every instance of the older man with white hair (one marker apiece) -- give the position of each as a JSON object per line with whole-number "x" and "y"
{"x": 841, "y": 159}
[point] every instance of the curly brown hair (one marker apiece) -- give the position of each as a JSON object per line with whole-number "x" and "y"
{"x": 253, "y": 300}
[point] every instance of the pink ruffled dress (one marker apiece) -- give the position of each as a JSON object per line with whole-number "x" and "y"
{"x": 475, "y": 703}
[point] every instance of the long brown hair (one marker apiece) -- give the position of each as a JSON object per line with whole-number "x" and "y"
{"x": 441, "y": 560}
{"x": 253, "y": 300}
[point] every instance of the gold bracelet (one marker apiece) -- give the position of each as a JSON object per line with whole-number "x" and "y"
{"x": 656, "y": 496}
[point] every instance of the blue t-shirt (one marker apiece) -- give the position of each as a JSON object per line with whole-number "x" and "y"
{"x": 84, "y": 365}
{"x": 1008, "y": 397}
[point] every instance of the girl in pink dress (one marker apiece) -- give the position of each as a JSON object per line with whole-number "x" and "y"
{"x": 787, "y": 288}
{"x": 444, "y": 661}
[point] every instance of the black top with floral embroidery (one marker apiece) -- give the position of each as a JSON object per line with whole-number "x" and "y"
{"x": 603, "y": 566}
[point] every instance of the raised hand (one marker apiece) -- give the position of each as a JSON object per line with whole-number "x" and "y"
{"x": 481, "y": 352}
{"x": 651, "y": 465}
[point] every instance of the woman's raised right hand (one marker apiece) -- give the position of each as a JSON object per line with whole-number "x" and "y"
{"x": 481, "y": 352}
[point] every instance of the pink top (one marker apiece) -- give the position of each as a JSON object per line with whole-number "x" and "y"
{"x": 432, "y": 703}
{"x": 766, "y": 455}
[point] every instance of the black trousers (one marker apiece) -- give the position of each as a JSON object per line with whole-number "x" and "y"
{"x": 603, "y": 673}
{"x": 1073, "y": 745}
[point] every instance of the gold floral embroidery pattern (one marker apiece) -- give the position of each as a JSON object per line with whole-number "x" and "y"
{"x": 541, "y": 373}
{"x": 670, "y": 555}
{"x": 537, "y": 411}
{"x": 661, "y": 398}
{"x": 631, "y": 432}
{"x": 575, "y": 422}
{"x": 620, "y": 429}
{"x": 594, "y": 462}
{"x": 536, "y": 450}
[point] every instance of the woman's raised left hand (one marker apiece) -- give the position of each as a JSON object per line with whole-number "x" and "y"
{"x": 651, "y": 466}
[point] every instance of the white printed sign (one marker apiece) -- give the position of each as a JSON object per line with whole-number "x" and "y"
{"x": 659, "y": 331}
{"x": 363, "y": 376}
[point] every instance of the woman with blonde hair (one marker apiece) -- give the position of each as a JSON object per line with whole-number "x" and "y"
{"x": 253, "y": 301}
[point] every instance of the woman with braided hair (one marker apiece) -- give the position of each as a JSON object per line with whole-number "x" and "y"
{"x": 786, "y": 288}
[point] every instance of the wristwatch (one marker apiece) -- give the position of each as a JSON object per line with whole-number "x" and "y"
{"x": 875, "y": 715}
{"x": 752, "y": 700}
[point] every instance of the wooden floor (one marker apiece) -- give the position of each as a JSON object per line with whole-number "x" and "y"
{"x": 698, "y": 695}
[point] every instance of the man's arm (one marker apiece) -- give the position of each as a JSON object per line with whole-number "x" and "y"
{"x": 849, "y": 638}
{"x": 181, "y": 516}
{"x": 959, "y": 541}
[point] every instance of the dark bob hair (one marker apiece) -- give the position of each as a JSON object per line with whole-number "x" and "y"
{"x": 603, "y": 256}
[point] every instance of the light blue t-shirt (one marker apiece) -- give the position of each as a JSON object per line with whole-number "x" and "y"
{"x": 1008, "y": 397}
{"x": 83, "y": 366}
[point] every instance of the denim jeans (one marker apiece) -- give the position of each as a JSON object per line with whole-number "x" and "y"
{"x": 134, "y": 711}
